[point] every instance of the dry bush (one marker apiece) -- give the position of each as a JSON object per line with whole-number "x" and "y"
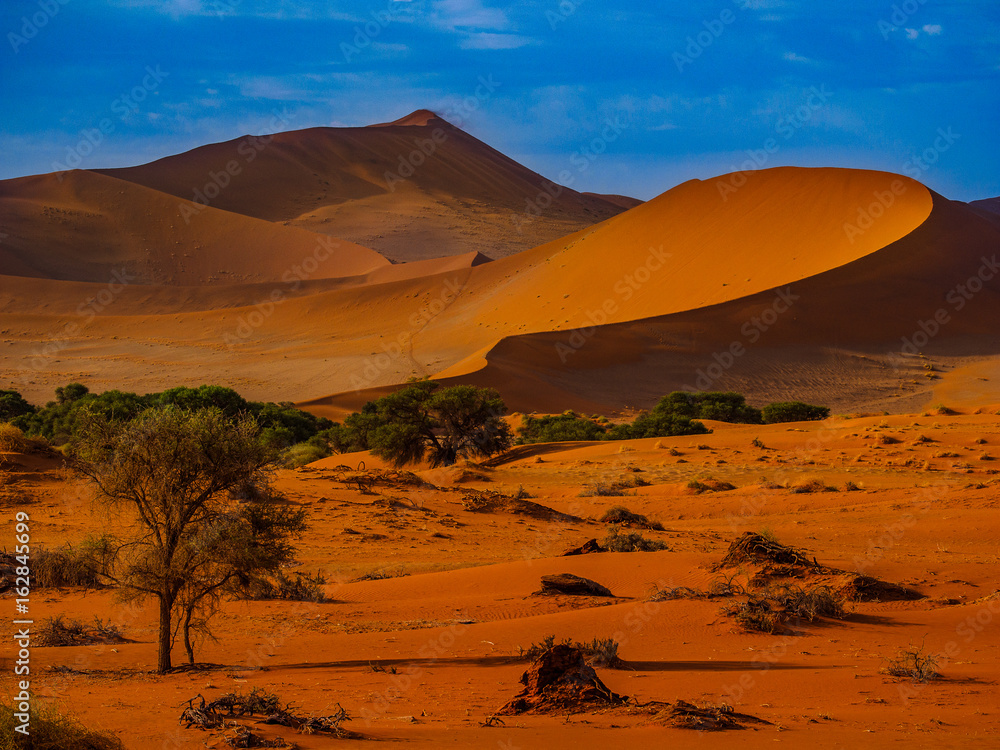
{"x": 706, "y": 718}
{"x": 52, "y": 730}
{"x": 615, "y": 541}
{"x": 381, "y": 574}
{"x": 65, "y": 566}
{"x": 709, "y": 484}
{"x": 298, "y": 587}
{"x": 758, "y": 548}
{"x": 808, "y": 603}
{"x": 621, "y": 515}
{"x": 812, "y": 485}
{"x": 12, "y": 440}
{"x": 912, "y": 663}
{"x": 214, "y": 714}
{"x": 757, "y": 614}
{"x": 720, "y": 588}
{"x": 603, "y": 489}
{"x": 600, "y": 652}
{"x": 58, "y": 631}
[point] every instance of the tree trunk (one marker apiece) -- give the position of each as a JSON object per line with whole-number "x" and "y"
{"x": 163, "y": 660}
{"x": 188, "y": 646}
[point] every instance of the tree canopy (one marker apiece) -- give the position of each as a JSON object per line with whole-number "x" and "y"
{"x": 179, "y": 472}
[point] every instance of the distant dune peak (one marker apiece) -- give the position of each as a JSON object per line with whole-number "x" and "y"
{"x": 421, "y": 118}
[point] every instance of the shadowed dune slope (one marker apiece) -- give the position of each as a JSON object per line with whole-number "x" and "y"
{"x": 83, "y": 226}
{"x": 416, "y": 188}
{"x": 679, "y": 253}
{"x": 864, "y": 334}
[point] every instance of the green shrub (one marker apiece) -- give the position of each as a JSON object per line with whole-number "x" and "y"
{"x": 13, "y": 405}
{"x": 793, "y": 411}
{"x": 564, "y": 427}
{"x": 59, "y": 421}
{"x": 301, "y": 454}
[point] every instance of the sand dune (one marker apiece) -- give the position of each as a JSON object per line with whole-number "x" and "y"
{"x": 605, "y": 319}
{"x": 864, "y": 334}
{"x": 412, "y": 189}
{"x": 84, "y": 226}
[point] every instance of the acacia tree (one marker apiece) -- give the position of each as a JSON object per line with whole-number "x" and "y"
{"x": 177, "y": 471}
{"x": 230, "y": 555}
{"x": 440, "y": 423}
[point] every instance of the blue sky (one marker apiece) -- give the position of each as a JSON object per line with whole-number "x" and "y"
{"x": 626, "y": 97}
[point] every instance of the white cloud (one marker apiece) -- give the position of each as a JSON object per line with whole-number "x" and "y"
{"x": 273, "y": 9}
{"x": 792, "y": 57}
{"x": 911, "y": 33}
{"x": 488, "y": 40}
{"x": 933, "y": 29}
{"x": 468, "y": 15}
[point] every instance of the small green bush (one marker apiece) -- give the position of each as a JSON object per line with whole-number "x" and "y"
{"x": 564, "y": 427}
{"x": 792, "y": 411}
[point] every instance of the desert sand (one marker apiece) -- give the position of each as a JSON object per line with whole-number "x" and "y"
{"x": 459, "y": 605}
